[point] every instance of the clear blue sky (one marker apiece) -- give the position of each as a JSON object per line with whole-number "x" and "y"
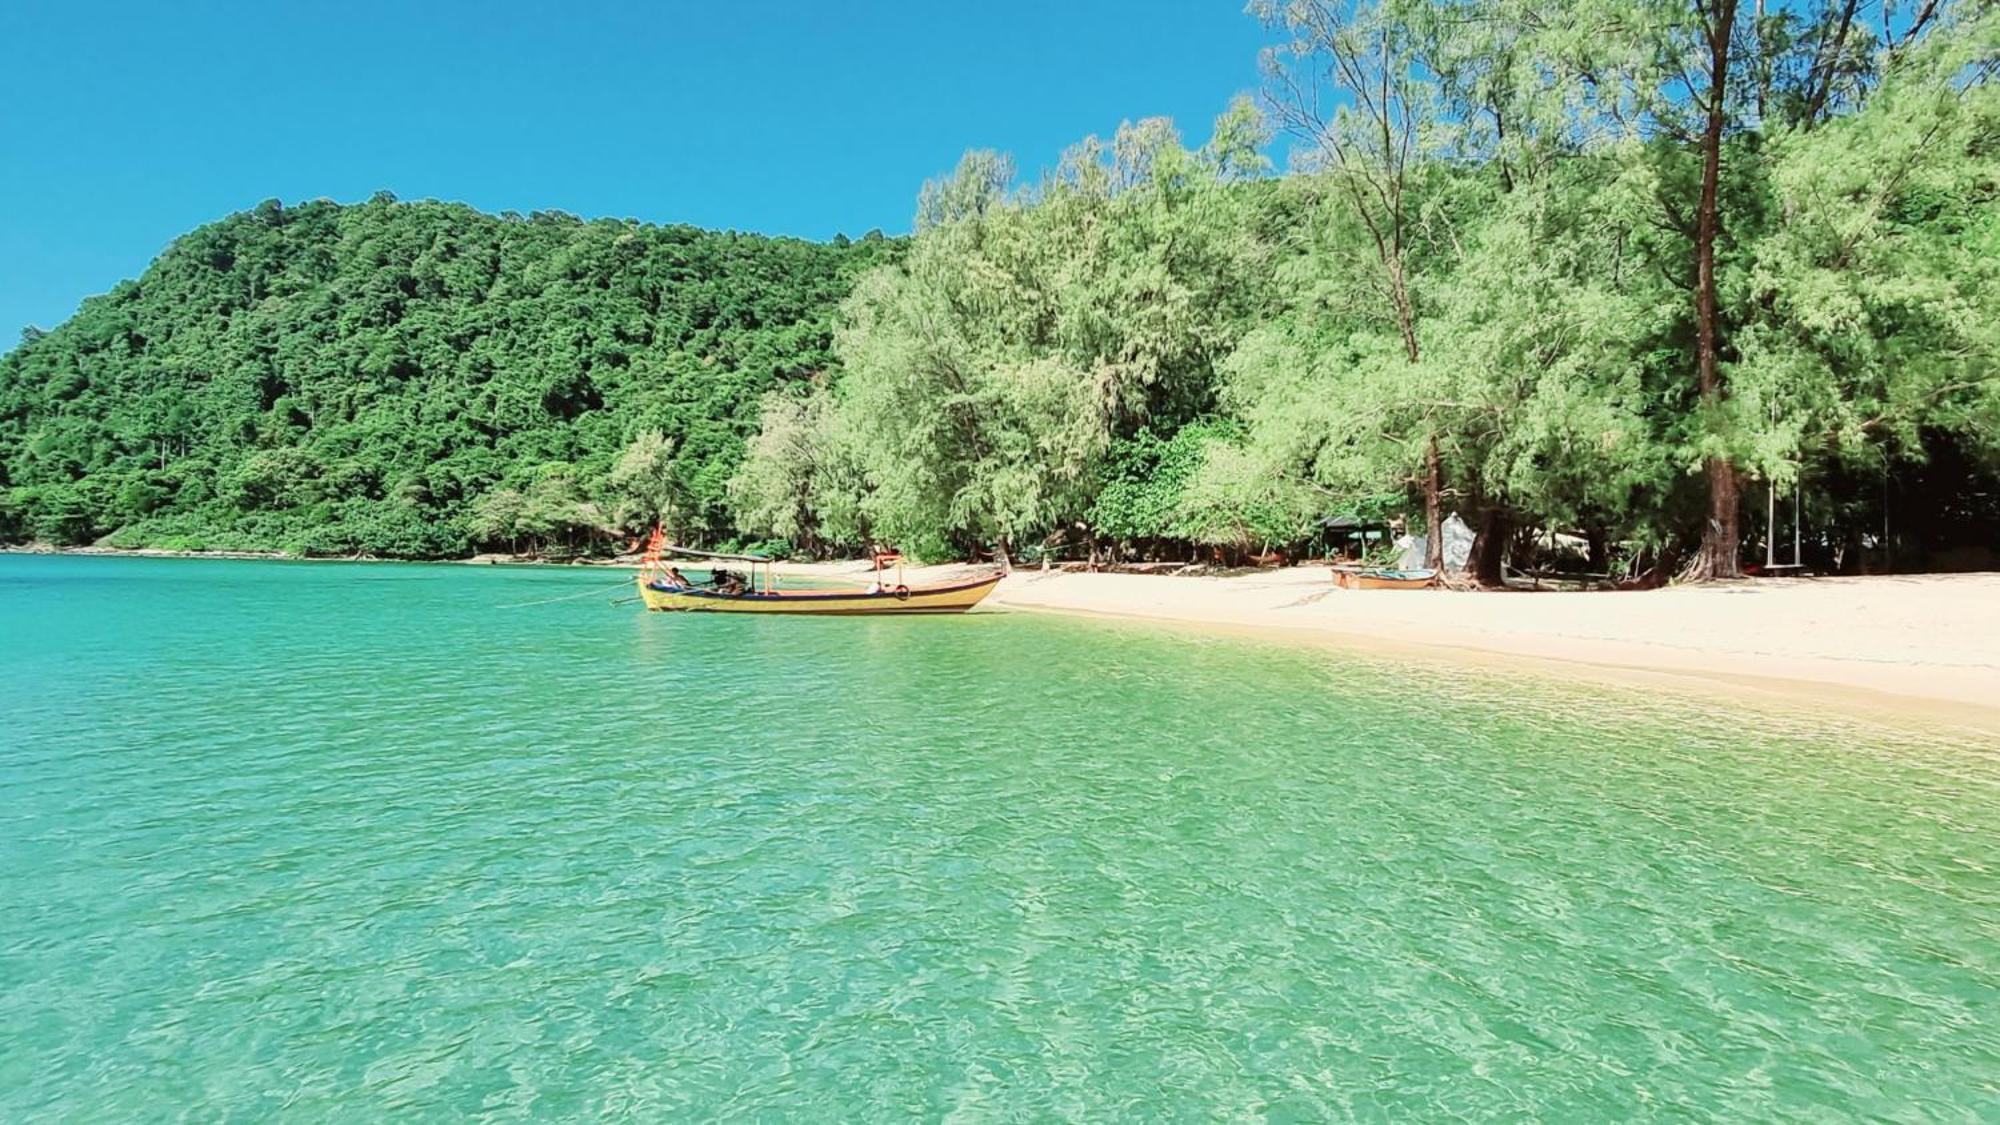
{"x": 123, "y": 125}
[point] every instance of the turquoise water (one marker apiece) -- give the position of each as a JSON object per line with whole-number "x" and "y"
{"x": 348, "y": 841}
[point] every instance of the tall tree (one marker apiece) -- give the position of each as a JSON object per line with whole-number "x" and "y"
{"x": 645, "y": 486}
{"x": 1710, "y": 90}
{"x": 1347, "y": 86}
{"x": 1866, "y": 337}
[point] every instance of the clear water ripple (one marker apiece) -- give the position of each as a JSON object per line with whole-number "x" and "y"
{"x": 344, "y": 841}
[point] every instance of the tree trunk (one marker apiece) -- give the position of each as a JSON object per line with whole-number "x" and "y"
{"x": 1521, "y": 550}
{"x": 1406, "y": 311}
{"x": 1719, "y": 546}
{"x": 1826, "y": 66}
{"x": 1406, "y": 320}
{"x": 1489, "y": 549}
{"x": 1719, "y": 533}
{"x": 1762, "y": 63}
{"x": 1003, "y": 555}
{"x": 1433, "y": 508}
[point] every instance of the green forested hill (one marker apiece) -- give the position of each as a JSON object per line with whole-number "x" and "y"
{"x": 412, "y": 380}
{"x": 1608, "y": 297}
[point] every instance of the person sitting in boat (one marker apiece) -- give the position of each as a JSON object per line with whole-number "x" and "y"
{"x": 675, "y": 577}
{"x": 728, "y": 582}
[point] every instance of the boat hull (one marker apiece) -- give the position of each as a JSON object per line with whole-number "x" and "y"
{"x": 954, "y": 598}
{"x": 1363, "y": 580}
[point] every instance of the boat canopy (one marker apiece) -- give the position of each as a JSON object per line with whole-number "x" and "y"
{"x": 671, "y": 550}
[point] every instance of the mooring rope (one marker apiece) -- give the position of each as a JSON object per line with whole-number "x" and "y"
{"x": 593, "y": 592}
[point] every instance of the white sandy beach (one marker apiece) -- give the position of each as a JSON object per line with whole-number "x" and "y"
{"x": 1918, "y": 644}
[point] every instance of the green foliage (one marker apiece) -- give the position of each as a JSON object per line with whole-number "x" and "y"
{"x": 802, "y": 481}
{"x": 647, "y": 487}
{"x": 1485, "y": 262}
{"x": 986, "y": 377}
{"x": 396, "y": 379}
{"x": 1143, "y": 489}
{"x": 1235, "y": 499}
{"x": 1872, "y": 292}
{"x": 1488, "y": 253}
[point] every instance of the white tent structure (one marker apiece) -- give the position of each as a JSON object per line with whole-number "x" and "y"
{"x": 1457, "y": 546}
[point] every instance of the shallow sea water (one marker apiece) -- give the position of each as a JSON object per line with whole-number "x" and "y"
{"x": 349, "y": 841}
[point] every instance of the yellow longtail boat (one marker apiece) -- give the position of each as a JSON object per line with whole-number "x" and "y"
{"x": 663, "y": 587}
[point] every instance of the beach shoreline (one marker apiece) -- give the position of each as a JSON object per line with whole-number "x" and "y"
{"x": 1922, "y": 648}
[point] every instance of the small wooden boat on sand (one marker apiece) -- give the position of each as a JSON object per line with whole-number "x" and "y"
{"x": 663, "y": 587}
{"x": 1382, "y": 578}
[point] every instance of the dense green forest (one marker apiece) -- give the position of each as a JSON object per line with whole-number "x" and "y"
{"x": 414, "y": 380}
{"x": 1607, "y": 273}
{"x": 1612, "y": 269}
